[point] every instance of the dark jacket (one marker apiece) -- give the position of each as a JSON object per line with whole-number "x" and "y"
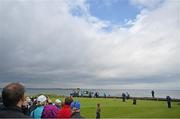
{"x": 12, "y": 112}
{"x": 76, "y": 115}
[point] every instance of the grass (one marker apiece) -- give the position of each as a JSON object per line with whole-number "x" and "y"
{"x": 115, "y": 108}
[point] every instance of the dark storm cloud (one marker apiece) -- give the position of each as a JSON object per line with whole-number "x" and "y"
{"x": 43, "y": 44}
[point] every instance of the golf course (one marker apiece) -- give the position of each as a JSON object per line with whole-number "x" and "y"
{"x": 115, "y": 108}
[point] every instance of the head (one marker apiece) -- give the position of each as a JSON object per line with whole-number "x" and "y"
{"x": 49, "y": 101}
{"x": 98, "y": 105}
{"x": 68, "y": 101}
{"x": 41, "y": 100}
{"x": 58, "y": 102}
{"x": 13, "y": 95}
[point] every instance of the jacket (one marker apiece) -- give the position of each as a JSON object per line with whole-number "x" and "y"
{"x": 65, "y": 112}
{"x": 12, "y": 112}
{"x": 50, "y": 111}
{"x": 37, "y": 113}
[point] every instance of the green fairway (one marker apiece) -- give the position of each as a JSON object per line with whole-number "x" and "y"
{"x": 115, "y": 108}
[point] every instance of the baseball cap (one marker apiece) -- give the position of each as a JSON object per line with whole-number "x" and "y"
{"x": 57, "y": 101}
{"x": 41, "y": 98}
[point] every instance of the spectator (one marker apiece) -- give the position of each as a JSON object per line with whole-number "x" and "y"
{"x": 127, "y": 95}
{"x": 152, "y": 92}
{"x": 65, "y": 112}
{"x": 26, "y": 106}
{"x": 123, "y": 97}
{"x": 98, "y": 111}
{"x": 134, "y": 101}
{"x": 96, "y": 95}
{"x": 13, "y": 99}
{"x": 168, "y": 98}
{"x": 90, "y": 94}
{"x": 50, "y": 111}
{"x": 58, "y": 103}
{"x": 76, "y": 110}
{"x": 34, "y": 105}
{"x": 49, "y": 102}
{"x": 41, "y": 102}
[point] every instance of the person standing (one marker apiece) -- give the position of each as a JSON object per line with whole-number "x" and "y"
{"x": 127, "y": 95}
{"x": 152, "y": 92}
{"x": 49, "y": 111}
{"x": 58, "y": 103}
{"x": 41, "y": 102}
{"x": 98, "y": 111}
{"x": 123, "y": 97}
{"x": 134, "y": 101}
{"x": 76, "y": 110}
{"x": 168, "y": 98}
{"x": 13, "y": 100}
{"x": 65, "y": 111}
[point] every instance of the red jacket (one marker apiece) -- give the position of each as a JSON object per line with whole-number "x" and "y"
{"x": 65, "y": 112}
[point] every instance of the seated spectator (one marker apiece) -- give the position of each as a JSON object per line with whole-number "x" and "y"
{"x": 13, "y": 99}
{"x": 50, "y": 111}
{"x": 76, "y": 110}
{"x": 58, "y": 103}
{"x": 41, "y": 102}
{"x": 65, "y": 112}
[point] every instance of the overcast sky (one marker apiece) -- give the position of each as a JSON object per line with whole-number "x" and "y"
{"x": 129, "y": 44}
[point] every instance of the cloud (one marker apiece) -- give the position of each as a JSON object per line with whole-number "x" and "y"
{"x": 149, "y": 4}
{"x": 42, "y": 43}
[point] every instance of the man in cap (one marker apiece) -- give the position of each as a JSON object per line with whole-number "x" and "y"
{"x": 41, "y": 102}
{"x": 13, "y": 99}
{"x": 76, "y": 110}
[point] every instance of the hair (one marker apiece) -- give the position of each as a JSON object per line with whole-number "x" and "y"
{"x": 68, "y": 101}
{"x": 41, "y": 103}
{"x": 98, "y": 104}
{"x": 12, "y": 94}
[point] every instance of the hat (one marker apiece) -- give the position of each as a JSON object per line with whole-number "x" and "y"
{"x": 76, "y": 105}
{"x": 41, "y": 98}
{"x": 57, "y": 101}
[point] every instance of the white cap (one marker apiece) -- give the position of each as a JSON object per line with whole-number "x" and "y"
{"x": 41, "y": 98}
{"x": 57, "y": 101}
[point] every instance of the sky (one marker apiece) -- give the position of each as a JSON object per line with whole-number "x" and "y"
{"x": 113, "y": 44}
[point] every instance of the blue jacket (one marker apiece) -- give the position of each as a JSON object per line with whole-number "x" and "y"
{"x": 37, "y": 113}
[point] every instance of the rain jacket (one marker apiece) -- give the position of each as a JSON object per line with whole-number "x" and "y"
{"x": 65, "y": 112}
{"x": 37, "y": 113}
{"x": 50, "y": 111}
